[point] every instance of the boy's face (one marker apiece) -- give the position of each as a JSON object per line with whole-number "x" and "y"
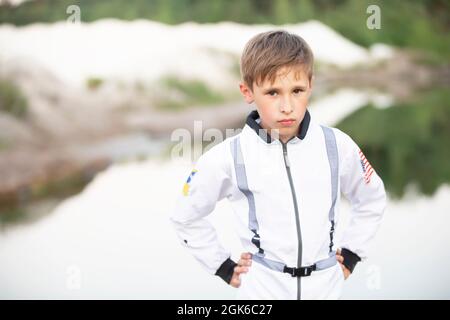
{"x": 282, "y": 104}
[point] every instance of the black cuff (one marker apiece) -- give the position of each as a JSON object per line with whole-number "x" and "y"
{"x": 226, "y": 270}
{"x": 350, "y": 259}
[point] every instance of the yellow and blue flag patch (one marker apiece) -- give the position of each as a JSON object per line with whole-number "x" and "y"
{"x": 187, "y": 183}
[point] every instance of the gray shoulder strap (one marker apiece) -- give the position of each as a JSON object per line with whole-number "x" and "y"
{"x": 333, "y": 159}
{"x": 241, "y": 177}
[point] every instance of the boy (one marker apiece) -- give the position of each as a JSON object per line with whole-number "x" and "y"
{"x": 282, "y": 174}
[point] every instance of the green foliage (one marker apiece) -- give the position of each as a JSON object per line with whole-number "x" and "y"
{"x": 3, "y": 145}
{"x": 94, "y": 83}
{"x": 11, "y": 215}
{"x": 406, "y": 143}
{"x": 12, "y": 100}
{"x": 180, "y": 93}
{"x": 422, "y": 24}
{"x": 412, "y": 24}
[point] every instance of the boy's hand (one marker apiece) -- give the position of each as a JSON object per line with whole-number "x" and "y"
{"x": 340, "y": 259}
{"x": 243, "y": 265}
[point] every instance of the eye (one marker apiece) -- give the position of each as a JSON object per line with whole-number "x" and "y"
{"x": 298, "y": 90}
{"x": 272, "y": 93}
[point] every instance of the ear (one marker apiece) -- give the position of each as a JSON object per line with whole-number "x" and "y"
{"x": 246, "y": 92}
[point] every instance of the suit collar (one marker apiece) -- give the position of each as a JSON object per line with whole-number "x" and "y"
{"x": 263, "y": 134}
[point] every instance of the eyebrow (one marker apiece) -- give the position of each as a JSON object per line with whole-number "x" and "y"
{"x": 279, "y": 89}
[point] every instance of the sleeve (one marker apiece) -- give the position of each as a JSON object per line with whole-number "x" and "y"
{"x": 208, "y": 183}
{"x": 362, "y": 186}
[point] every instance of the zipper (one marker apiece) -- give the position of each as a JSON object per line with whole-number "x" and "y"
{"x": 287, "y": 165}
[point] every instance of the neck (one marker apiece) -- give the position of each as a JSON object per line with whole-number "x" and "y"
{"x": 285, "y": 139}
{"x": 275, "y": 134}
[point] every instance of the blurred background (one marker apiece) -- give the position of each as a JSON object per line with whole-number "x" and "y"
{"x": 91, "y": 93}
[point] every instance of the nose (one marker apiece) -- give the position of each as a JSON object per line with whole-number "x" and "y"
{"x": 285, "y": 106}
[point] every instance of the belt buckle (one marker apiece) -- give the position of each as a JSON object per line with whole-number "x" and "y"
{"x": 307, "y": 271}
{"x": 301, "y": 272}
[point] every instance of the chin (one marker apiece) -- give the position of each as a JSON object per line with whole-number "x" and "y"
{"x": 290, "y": 130}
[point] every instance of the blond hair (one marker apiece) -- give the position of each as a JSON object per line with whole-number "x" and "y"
{"x": 267, "y": 52}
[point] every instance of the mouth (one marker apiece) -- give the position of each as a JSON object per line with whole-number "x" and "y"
{"x": 287, "y": 122}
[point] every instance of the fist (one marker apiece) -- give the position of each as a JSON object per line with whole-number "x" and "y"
{"x": 340, "y": 259}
